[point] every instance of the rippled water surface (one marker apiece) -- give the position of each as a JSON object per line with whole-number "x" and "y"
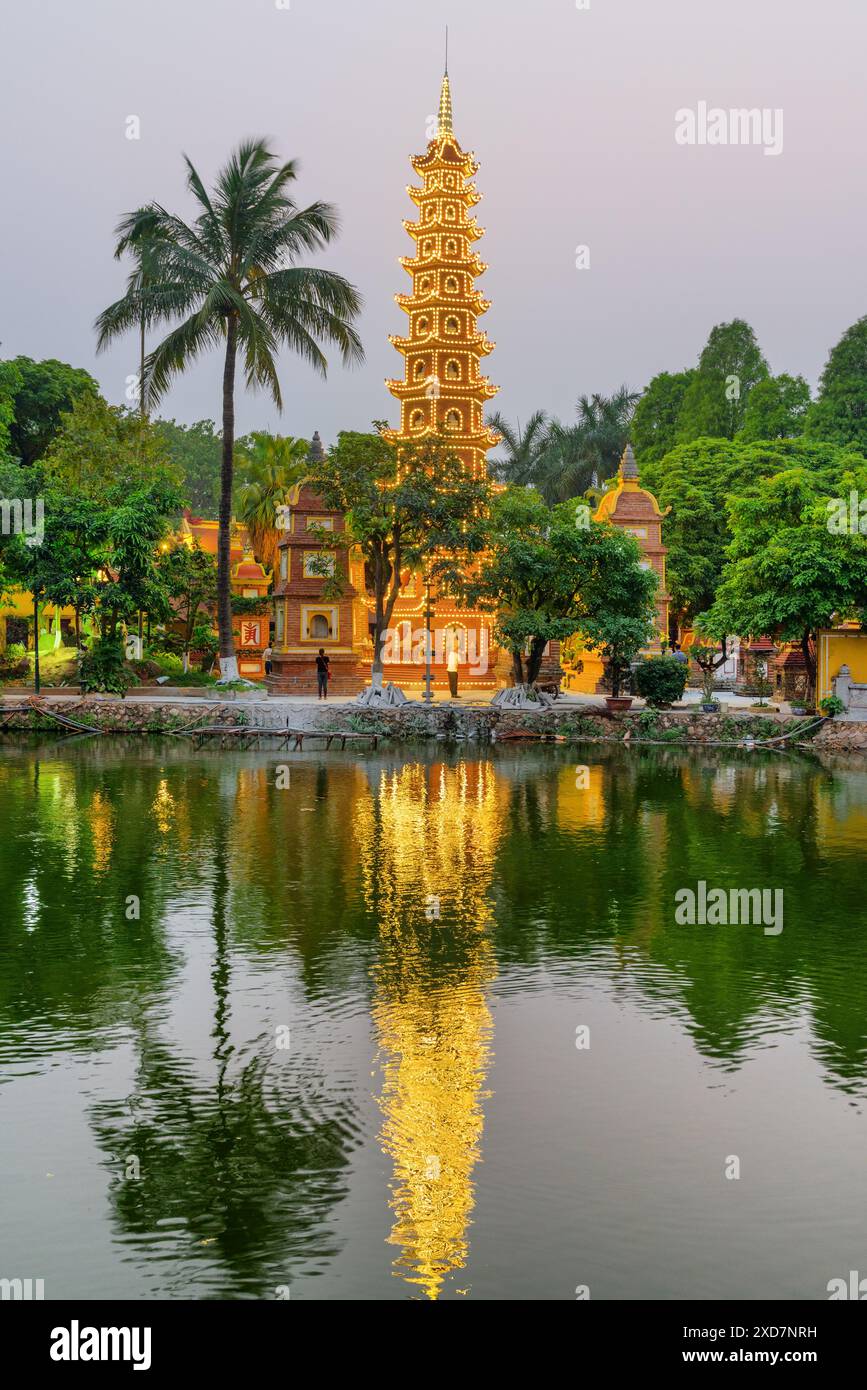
{"x": 320, "y": 1038}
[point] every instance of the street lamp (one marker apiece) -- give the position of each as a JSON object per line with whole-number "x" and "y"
{"x": 428, "y": 692}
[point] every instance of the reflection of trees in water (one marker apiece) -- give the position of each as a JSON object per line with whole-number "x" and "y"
{"x": 247, "y": 1163}
{"x": 428, "y": 837}
{"x": 74, "y": 852}
{"x": 667, "y": 820}
{"x": 338, "y": 870}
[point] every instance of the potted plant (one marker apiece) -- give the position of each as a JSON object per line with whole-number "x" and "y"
{"x": 708, "y": 703}
{"x": 799, "y": 699}
{"x": 620, "y": 652}
{"x": 832, "y": 705}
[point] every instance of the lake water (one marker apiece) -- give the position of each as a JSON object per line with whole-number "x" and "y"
{"x": 422, "y": 1023}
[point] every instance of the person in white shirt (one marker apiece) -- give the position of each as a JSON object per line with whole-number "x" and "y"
{"x": 452, "y": 668}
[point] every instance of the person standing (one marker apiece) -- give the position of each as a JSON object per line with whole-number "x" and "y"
{"x": 266, "y": 657}
{"x": 322, "y": 663}
{"x": 452, "y": 669}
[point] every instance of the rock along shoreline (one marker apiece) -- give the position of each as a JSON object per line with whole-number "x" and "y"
{"x": 414, "y": 721}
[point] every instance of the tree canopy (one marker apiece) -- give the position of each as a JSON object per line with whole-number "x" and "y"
{"x": 715, "y": 401}
{"x": 409, "y": 506}
{"x": 787, "y": 572}
{"x": 547, "y": 574}
{"x": 839, "y": 415}
{"x": 42, "y": 394}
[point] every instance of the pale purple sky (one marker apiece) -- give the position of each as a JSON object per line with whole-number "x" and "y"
{"x": 571, "y": 113}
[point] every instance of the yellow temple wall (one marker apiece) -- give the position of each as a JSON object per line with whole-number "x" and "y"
{"x": 838, "y": 647}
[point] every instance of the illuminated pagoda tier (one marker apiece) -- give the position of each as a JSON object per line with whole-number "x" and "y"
{"x": 443, "y": 390}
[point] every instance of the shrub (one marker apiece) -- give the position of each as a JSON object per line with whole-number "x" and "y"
{"x": 831, "y": 705}
{"x": 16, "y": 651}
{"x": 661, "y": 680}
{"x": 103, "y": 668}
{"x": 168, "y": 662}
{"x": 13, "y": 670}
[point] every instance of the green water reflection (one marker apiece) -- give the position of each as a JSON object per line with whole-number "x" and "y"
{"x": 430, "y": 928}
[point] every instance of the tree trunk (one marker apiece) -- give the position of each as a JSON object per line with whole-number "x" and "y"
{"x": 36, "y": 640}
{"x": 228, "y": 660}
{"x": 518, "y": 667}
{"x": 534, "y": 660}
{"x": 809, "y": 652}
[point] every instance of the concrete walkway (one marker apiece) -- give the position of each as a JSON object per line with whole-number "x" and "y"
{"x": 199, "y": 698}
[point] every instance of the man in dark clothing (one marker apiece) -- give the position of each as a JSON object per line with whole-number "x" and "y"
{"x": 678, "y": 654}
{"x": 322, "y": 673}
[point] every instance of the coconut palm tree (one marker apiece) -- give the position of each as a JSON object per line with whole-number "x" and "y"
{"x": 269, "y": 465}
{"x": 228, "y": 279}
{"x": 582, "y": 455}
{"x": 524, "y": 448}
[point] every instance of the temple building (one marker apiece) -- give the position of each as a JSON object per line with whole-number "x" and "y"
{"x": 443, "y": 391}
{"x": 636, "y": 511}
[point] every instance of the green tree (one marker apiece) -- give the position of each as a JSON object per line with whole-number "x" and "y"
{"x": 59, "y": 565}
{"x": 839, "y": 415}
{"x": 269, "y": 466}
{"x": 654, "y": 427}
{"x": 46, "y": 390}
{"x": 102, "y": 449}
{"x": 730, "y": 365}
{"x": 230, "y": 278}
{"x": 788, "y": 573}
{"x": 10, "y": 385}
{"x": 696, "y": 481}
{"x": 408, "y": 506}
{"x": 189, "y": 575}
{"x": 131, "y": 581}
{"x": 546, "y": 575}
{"x": 776, "y": 409}
{"x": 195, "y": 451}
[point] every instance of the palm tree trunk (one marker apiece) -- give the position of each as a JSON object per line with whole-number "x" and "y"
{"x": 228, "y": 660}
{"x": 143, "y": 410}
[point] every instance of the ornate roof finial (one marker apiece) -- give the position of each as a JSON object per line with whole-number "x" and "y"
{"x": 628, "y": 466}
{"x": 444, "y": 120}
{"x": 315, "y": 453}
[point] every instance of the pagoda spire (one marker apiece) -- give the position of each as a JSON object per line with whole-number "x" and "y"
{"x": 444, "y": 119}
{"x": 628, "y": 466}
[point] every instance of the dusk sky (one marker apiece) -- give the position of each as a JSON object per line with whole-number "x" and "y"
{"x": 571, "y": 113}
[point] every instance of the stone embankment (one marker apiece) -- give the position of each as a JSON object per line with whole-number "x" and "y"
{"x": 481, "y": 723}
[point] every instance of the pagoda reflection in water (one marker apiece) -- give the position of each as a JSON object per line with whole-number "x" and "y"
{"x": 432, "y": 833}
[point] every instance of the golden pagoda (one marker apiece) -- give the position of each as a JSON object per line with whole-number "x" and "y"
{"x": 443, "y": 390}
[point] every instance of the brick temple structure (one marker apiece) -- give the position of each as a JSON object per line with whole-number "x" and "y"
{"x": 442, "y": 392}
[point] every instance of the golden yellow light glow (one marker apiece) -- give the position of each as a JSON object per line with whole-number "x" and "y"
{"x": 433, "y": 833}
{"x": 442, "y": 389}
